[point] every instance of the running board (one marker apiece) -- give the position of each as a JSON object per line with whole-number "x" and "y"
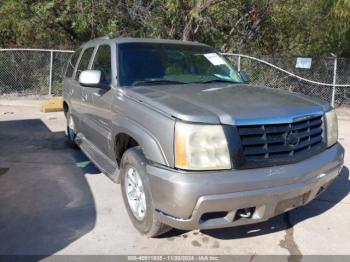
{"x": 100, "y": 160}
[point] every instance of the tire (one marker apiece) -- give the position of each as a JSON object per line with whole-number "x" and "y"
{"x": 71, "y": 131}
{"x": 147, "y": 223}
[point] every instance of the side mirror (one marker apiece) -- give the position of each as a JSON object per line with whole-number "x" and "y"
{"x": 244, "y": 76}
{"x": 90, "y": 78}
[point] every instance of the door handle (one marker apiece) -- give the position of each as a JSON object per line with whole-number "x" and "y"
{"x": 84, "y": 97}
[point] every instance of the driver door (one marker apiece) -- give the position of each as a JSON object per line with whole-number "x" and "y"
{"x": 84, "y": 99}
{"x": 99, "y": 112}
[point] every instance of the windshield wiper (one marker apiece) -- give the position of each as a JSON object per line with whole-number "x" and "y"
{"x": 157, "y": 81}
{"x": 217, "y": 80}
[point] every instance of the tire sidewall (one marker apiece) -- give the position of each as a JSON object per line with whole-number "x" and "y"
{"x": 69, "y": 138}
{"x": 132, "y": 158}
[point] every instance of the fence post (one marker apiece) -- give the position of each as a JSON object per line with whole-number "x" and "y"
{"x": 239, "y": 63}
{"x": 50, "y": 76}
{"x": 334, "y": 80}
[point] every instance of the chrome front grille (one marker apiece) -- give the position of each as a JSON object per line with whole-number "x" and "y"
{"x": 278, "y": 143}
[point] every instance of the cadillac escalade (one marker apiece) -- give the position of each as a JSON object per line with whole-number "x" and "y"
{"x": 192, "y": 143}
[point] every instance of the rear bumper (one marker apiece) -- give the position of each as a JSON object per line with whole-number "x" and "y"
{"x": 189, "y": 200}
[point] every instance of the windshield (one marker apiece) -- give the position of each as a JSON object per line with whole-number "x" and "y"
{"x": 161, "y": 64}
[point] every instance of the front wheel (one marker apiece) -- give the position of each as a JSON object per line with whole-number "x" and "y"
{"x": 137, "y": 196}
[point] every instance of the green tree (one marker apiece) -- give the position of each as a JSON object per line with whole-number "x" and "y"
{"x": 305, "y": 27}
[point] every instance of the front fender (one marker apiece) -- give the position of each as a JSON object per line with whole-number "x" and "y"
{"x": 150, "y": 145}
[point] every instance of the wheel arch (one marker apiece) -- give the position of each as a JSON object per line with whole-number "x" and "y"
{"x": 128, "y": 134}
{"x": 65, "y": 108}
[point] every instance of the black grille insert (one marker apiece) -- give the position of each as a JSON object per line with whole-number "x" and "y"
{"x": 272, "y": 144}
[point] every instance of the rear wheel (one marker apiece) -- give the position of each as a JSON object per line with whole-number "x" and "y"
{"x": 137, "y": 196}
{"x": 71, "y": 131}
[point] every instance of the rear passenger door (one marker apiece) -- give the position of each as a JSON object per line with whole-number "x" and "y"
{"x": 72, "y": 92}
{"x": 99, "y": 118}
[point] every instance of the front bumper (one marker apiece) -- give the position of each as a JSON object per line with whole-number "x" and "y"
{"x": 204, "y": 200}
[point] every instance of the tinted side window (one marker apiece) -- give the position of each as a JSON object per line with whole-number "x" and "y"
{"x": 102, "y": 62}
{"x": 84, "y": 61}
{"x": 71, "y": 63}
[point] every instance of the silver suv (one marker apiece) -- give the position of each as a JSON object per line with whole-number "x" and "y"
{"x": 192, "y": 144}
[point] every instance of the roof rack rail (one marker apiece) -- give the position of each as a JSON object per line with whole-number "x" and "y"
{"x": 101, "y": 37}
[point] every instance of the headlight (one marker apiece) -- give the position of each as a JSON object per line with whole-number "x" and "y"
{"x": 201, "y": 147}
{"x": 332, "y": 127}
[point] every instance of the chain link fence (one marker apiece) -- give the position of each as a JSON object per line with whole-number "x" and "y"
{"x": 327, "y": 79}
{"x": 32, "y": 71}
{"x": 40, "y": 72}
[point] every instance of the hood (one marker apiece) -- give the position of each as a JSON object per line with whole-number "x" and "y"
{"x": 237, "y": 104}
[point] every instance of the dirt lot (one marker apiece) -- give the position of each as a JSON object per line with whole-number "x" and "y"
{"x": 54, "y": 201}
